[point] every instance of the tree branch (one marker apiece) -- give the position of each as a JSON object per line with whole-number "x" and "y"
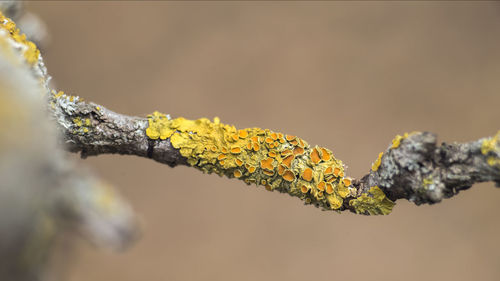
{"x": 414, "y": 167}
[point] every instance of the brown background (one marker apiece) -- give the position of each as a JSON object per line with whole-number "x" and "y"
{"x": 348, "y": 76}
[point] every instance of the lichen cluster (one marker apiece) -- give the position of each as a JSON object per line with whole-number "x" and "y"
{"x": 377, "y": 162}
{"x": 279, "y": 162}
{"x": 30, "y": 51}
{"x": 82, "y": 125}
{"x": 397, "y": 140}
{"x": 373, "y": 203}
{"x": 490, "y": 147}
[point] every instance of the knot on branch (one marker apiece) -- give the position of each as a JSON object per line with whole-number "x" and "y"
{"x": 414, "y": 167}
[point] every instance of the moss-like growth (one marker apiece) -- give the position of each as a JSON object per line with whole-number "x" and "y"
{"x": 491, "y": 147}
{"x": 373, "y": 203}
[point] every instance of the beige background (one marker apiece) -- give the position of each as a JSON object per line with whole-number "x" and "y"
{"x": 348, "y": 76}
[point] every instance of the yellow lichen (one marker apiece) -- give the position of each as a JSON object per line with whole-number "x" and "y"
{"x": 78, "y": 121}
{"x": 159, "y": 126}
{"x": 335, "y": 201}
{"x": 31, "y": 53}
{"x": 396, "y": 141}
{"x": 276, "y": 161}
{"x": 491, "y": 144}
{"x": 493, "y": 161}
{"x": 59, "y": 94}
{"x": 491, "y": 147}
{"x": 373, "y": 203}
{"x": 342, "y": 190}
{"x": 377, "y": 162}
{"x": 427, "y": 181}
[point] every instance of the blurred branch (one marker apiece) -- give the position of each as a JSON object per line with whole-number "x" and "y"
{"x": 42, "y": 193}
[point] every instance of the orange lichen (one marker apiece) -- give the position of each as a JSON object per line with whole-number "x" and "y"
{"x": 347, "y": 181}
{"x": 235, "y": 149}
{"x": 290, "y": 138}
{"x": 329, "y": 171}
{"x": 301, "y": 143}
{"x": 336, "y": 171}
{"x": 298, "y": 151}
{"x": 329, "y": 188}
{"x": 281, "y": 169}
{"x": 289, "y": 176}
{"x": 315, "y": 156}
{"x": 307, "y": 174}
{"x": 325, "y": 154}
{"x": 267, "y": 164}
{"x": 221, "y": 156}
{"x": 304, "y": 189}
{"x": 237, "y": 173}
{"x": 288, "y": 161}
{"x": 243, "y": 133}
{"x": 321, "y": 186}
{"x": 256, "y": 147}
{"x": 238, "y": 162}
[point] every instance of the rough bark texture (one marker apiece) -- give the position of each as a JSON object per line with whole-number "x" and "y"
{"x": 423, "y": 172}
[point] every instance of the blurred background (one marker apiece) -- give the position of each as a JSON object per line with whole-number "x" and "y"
{"x": 348, "y": 76}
